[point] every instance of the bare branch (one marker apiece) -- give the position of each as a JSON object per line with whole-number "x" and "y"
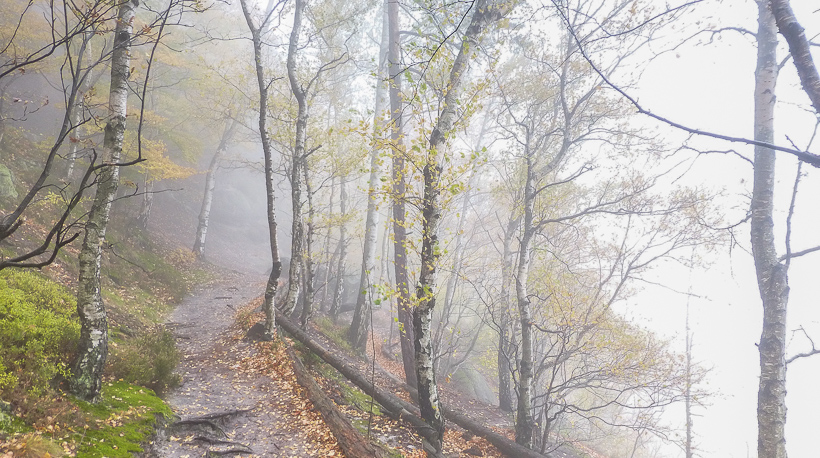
{"x": 799, "y": 48}
{"x": 814, "y": 350}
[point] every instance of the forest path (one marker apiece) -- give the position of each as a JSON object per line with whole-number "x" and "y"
{"x": 213, "y": 382}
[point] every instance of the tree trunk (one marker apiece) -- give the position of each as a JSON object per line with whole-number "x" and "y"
{"x": 524, "y": 423}
{"x": 210, "y": 184}
{"x": 79, "y": 104}
{"x": 771, "y": 273}
{"x": 800, "y": 49}
{"x": 505, "y": 402}
{"x": 144, "y": 215}
{"x": 399, "y": 408}
{"x": 484, "y": 15}
{"x": 297, "y": 228}
{"x": 357, "y": 333}
{"x": 309, "y": 274}
{"x": 269, "y": 305}
{"x": 342, "y": 266}
{"x": 403, "y": 301}
{"x": 73, "y": 143}
{"x": 329, "y": 258}
{"x": 347, "y": 436}
{"x": 86, "y": 381}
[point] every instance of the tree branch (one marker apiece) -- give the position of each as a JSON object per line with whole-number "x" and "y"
{"x": 799, "y": 48}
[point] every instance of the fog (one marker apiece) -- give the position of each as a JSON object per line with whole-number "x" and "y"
{"x": 626, "y": 221}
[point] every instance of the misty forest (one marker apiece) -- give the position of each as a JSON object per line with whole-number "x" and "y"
{"x": 364, "y": 228}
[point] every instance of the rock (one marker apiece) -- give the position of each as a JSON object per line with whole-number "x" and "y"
{"x": 474, "y": 451}
{"x": 5, "y": 412}
{"x": 7, "y": 189}
{"x": 469, "y": 381}
{"x": 257, "y": 333}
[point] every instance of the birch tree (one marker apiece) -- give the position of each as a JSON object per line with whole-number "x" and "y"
{"x": 210, "y": 183}
{"x": 485, "y": 13}
{"x": 772, "y": 279}
{"x": 86, "y": 380}
{"x": 357, "y": 333}
{"x": 297, "y": 227}
{"x": 263, "y": 84}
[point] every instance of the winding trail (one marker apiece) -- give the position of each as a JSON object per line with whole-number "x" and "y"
{"x": 212, "y": 381}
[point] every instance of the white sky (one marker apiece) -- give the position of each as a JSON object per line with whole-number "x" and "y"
{"x": 710, "y": 87}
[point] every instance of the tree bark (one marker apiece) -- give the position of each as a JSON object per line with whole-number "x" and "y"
{"x": 79, "y": 104}
{"x": 329, "y": 257}
{"x": 357, "y": 333}
{"x": 86, "y": 381}
{"x": 269, "y": 305}
{"x": 799, "y": 48}
{"x": 210, "y": 184}
{"x": 399, "y": 189}
{"x": 342, "y": 265}
{"x": 347, "y": 436}
{"x": 504, "y": 362}
{"x": 524, "y": 422}
{"x": 484, "y": 15}
{"x": 772, "y": 277}
{"x": 309, "y": 269}
{"x": 144, "y": 215}
{"x": 297, "y": 228}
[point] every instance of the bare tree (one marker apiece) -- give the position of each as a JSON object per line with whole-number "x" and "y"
{"x": 263, "y": 84}
{"x": 772, "y": 276}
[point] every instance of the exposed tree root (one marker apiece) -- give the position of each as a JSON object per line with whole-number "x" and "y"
{"x": 201, "y": 427}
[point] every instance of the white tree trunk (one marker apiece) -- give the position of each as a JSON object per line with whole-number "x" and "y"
{"x": 524, "y": 422}
{"x": 297, "y": 228}
{"x": 210, "y": 184}
{"x": 86, "y": 381}
{"x": 276, "y": 264}
{"x": 342, "y": 265}
{"x": 772, "y": 277}
{"x": 357, "y": 334}
{"x": 484, "y": 15}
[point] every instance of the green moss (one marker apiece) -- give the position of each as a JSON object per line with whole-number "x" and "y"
{"x": 359, "y": 399}
{"x": 334, "y": 332}
{"x": 127, "y": 416}
{"x": 11, "y": 424}
{"x": 351, "y": 394}
{"x": 361, "y": 426}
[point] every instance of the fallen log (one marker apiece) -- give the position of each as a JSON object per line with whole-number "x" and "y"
{"x": 401, "y": 409}
{"x": 347, "y": 436}
{"x": 393, "y": 405}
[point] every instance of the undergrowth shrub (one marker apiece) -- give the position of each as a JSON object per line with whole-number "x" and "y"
{"x": 148, "y": 360}
{"x": 38, "y": 332}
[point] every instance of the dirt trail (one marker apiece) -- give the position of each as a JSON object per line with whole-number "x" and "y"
{"x": 212, "y": 383}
